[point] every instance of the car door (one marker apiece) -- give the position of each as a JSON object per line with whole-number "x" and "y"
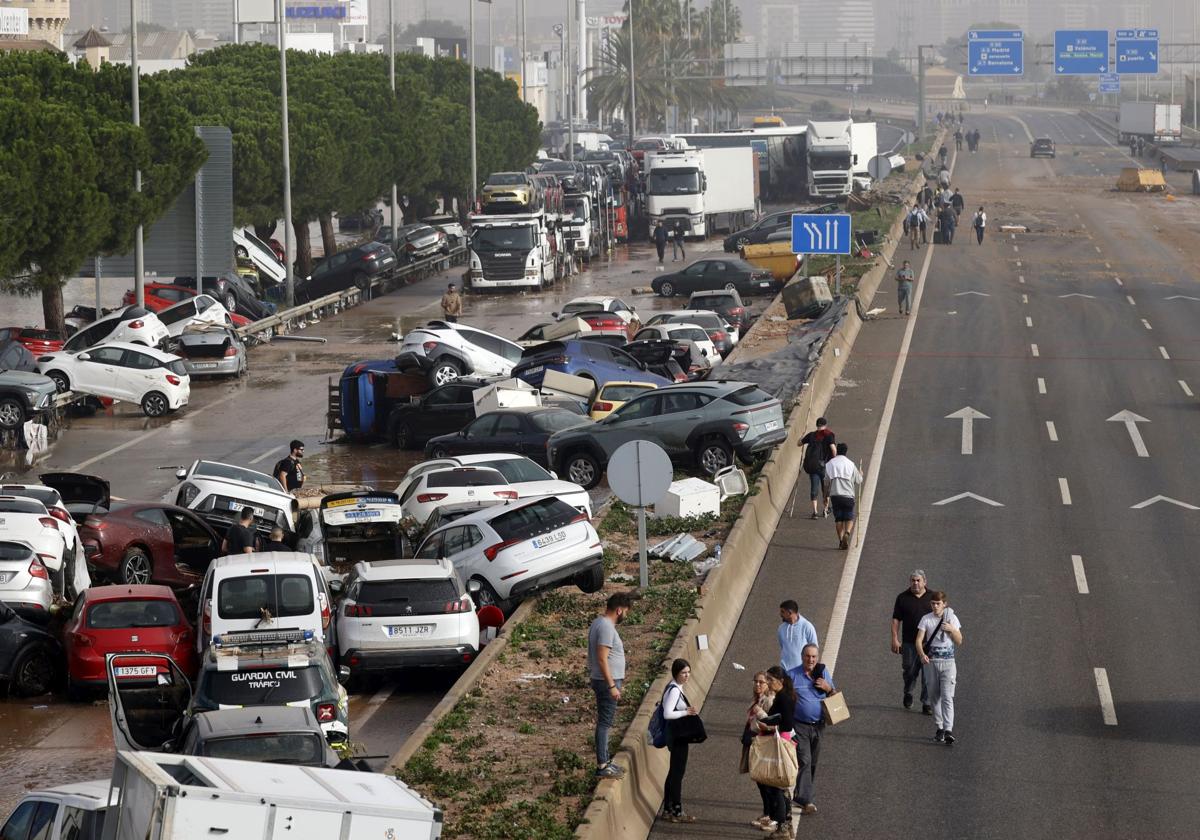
{"x": 148, "y": 695}
{"x": 193, "y": 543}
{"x": 446, "y": 410}
{"x": 141, "y": 372}
{"x": 692, "y": 277}
{"x": 626, "y": 365}
{"x": 717, "y": 275}
{"x": 101, "y": 372}
{"x": 477, "y": 436}
{"x": 679, "y": 412}
{"x": 633, "y": 421}
{"x": 511, "y": 434}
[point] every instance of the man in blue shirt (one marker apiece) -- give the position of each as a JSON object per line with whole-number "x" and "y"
{"x": 795, "y": 631}
{"x": 813, "y": 684}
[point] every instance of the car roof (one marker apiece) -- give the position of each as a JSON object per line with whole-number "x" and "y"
{"x": 720, "y": 386}
{"x": 256, "y": 719}
{"x": 488, "y": 513}
{"x": 403, "y": 569}
{"x": 684, "y": 313}
{"x": 122, "y": 592}
{"x": 141, "y": 348}
{"x": 98, "y": 791}
{"x": 198, "y": 469}
{"x": 273, "y": 561}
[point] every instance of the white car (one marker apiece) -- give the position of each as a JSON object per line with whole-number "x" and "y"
{"x": 155, "y": 380}
{"x": 77, "y": 578}
{"x": 24, "y": 579}
{"x": 444, "y": 351}
{"x": 246, "y": 244}
{"x": 596, "y": 304}
{"x": 218, "y": 492}
{"x": 704, "y": 352}
{"x": 133, "y": 325}
{"x": 450, "y": 486}
{"x": 509, "y": 552}
{"x": 26, "y": 520}
{"x": 527, "y": 477}
{"x": 405, "y": 613}
{"x": 703, "y": 318}
{"x": 201, "y": 309}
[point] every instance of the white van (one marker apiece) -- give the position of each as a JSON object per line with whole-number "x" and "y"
{"x": 266, "y": 590}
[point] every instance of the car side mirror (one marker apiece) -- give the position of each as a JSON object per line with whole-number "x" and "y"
{"x": 343, "y": 674}
{"x": 554, "y": 315}
{"x": 553, "y": 474}
{"x": 84, "y": 357}
{"x": 473, "y": 587}
{"x": 180, "y": 474}
{"x": 336, "y": 587}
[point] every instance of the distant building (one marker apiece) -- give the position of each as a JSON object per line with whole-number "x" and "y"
{"x": 93, "y": 47}
{"x": 171, "y": 45}
{"x": 34, "y": 20}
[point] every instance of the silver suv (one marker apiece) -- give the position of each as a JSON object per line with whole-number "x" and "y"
{"x": 444, "y": 351}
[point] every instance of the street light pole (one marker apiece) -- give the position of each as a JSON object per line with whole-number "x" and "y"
{"x": 569, "y": 75}
{"x": 289, "y": 245}
{"x": 632, "y": 85}
{"x": 920, "y": 92}
{"x": 392, "y": 83}
{"x": 521, "y": 21}
{"x": 139, "y": 262}
{"x": 474, "y": 159}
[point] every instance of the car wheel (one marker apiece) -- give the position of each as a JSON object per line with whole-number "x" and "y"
{"x": 438, "y": 452}
{"x": 713, "y": 455}
{"x": 591, "y": 581}
{"x": 241, "y": 251}
{"x": 33, "y": 672}
{"x": 741, "y": 242}
{"x": 135, "y": 567}
{"x": 362, "y": 281}
{"x": 731, "y": 287}
{"x": 229, "y": 299}
{"x": 12, "y": 413}
{"x": 444, "y": 370}
{"x": 155, "y": 404}
{"x": 487, "y": 597}
{"x": 402, "y": 436}
{"x": 61, "y": 382}
{"x": 666, "y": 289}
{"x": 583, "y": 468}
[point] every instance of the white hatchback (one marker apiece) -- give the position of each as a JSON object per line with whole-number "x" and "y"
{"x": 404, "y": 613}
{"x": 452, "y": 485}
{"x": 155, "y": 380}
{"x": 527, "y": 477}
{"x": 27, "y": 521}
{"x": 200, "y": 309}
{"x": 218, "y": 492}
{"x": 133, "y": 324}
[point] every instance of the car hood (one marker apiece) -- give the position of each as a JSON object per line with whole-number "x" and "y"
{"x": 25, "y": 379}
{"x": 79, "y": 488}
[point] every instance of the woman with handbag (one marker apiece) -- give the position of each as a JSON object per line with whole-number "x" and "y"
{"x": 778, "y": 723}
{"x": 760, "y": 707}
{"x": 683, "y": 729}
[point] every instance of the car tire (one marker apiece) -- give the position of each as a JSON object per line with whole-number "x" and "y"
{"x": 135, "y": 567}
{"x": 486, "y": 596}
{"x": 361, "y": 281}
{"x": 402, "y": 436}
{"x": 438, "y": 452}
{"x": 591, "y": 581}
{"x": 444, "y": 370}
{"x": 61, "y": 380}
{"x": 731, "y": 287}
{"x": 666, "y": 289}
{"x": 240, "y": 251}
{"x": 229, "y": 300}
{"x": 713, "y": 454}
{"x": 33, "y": 671}
{"x": 155, "y": 404}
{"x": 12, "y": 413}
{"x": 582, "y": 468}
{"x": 741, "y": 243}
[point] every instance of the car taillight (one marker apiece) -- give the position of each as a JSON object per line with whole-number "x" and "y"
{"x": 557, "y": 360}
{"x": 425, "y": 498}
{"x": 173, "y": 379}
{"x": 181, "y": 637}
{"x": 369, "y": 257}
{"x": 96, "y": 522}
{"x": 741, "y": 428}
{"x": 326, "y": 713}
{"x": 410, "y": 247}
{"x": 230, "y": 351}
{"x": 37, "y": 569}
{"x": 681, "y": 377}
{"x": 463, "y": 604}
{"x": 48, "y": 522}
{"x": 737, "y": 310}
{"x": 492, "y": 550}
{"x": 718, "y": 335}
{"x": 358, "y": 611}
{"x": 326, "y": 615}
{"x": 505, "y": 494}
{"x": 80, "y": 640}
{"x": 136, "y": 325}
{"x": 59, "y": 513}
{"x": 600, "y": 405}
{"x": 579, "y": 517}
{"x": 604, "y": 323}
{"x": 429, "y": 345}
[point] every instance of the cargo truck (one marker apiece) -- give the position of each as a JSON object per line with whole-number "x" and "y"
{"x": 830, "y": 158}
{"x": 518, "y": 251}
{"x": 1150, "y": 121}
{"x": 731, "y": 188}
{"x": 675, "y": 185}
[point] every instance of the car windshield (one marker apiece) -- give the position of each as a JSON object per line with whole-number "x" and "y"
{"x": 673, "y": 181}
{"x": 22, "y": 506}
{"x": 622, "y": 393}
{"x": 518, "y": 469}
{"x": 555, "y": 420}
{"x": 307, "y": 748}
{"x": 120, "y": 615}
{"x": 424, "y": 596}
{"x": 506, "y": 179}
{"x": 689, "y": 334}
{"x": 14, "y": 551}
{"x": 530, "y": 520}
{"x": 282, "y": 596}
{"x": 583, "y": 306}
{"x": 213, "y": 469}
{"x": 503, "y": 238}
{"x": 575, "y": 206}
{"x": 266, "y": 685}
{"x": 464, "y": 477}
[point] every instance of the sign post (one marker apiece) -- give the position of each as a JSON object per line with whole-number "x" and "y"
{"x": 1080, "y": 52}
{"x": 823, "y": 233}
{"x": 1137, "y": 51}
{"x": 995, "y": 52}
{"x": 639, "y": 473}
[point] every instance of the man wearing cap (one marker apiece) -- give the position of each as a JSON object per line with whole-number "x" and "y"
{"x": 911, "y": 606}
{"x": 452, "y": 304}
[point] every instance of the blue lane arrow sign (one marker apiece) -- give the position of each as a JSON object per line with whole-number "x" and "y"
{"x": 1080, "y": 52}
{"x": 820, "y": 233}
{"x": 1110, "y": 83}
{"x": 995, "y": 52}
{"x": 1137, "y": 51}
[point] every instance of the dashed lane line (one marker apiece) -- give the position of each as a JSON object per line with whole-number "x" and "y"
{"x": 1065, "y": 491}
{"x": 1041, "y": 385}
{"x": 1033, "y": 348}
{"x": 1024, "y": 298}
{"x": 1051, "y": 431}
{"x": 1107, "y": 709}
{"x": 1028, "y": 321}
{"x": 1132, "y": 302}
{"x": 1080, "y": 577}
{"x": 266, "y": 455}
{"x": 1163, "y": 352}
{"x": 1146, "y": 324}
{"x": 1185, "y": 388}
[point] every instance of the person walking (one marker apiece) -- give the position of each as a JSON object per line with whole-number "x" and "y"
{"x": 911, "y": 606}
{"x": 675, "y": 708}
{"x": 1133, "y": 146}
{"x": 794, "y": 633}
{"x": 948, "y": 220}
{"x": 958, "y": 139}
{"x": 241, "y": 537}
{"x": 977, "y": 139}
{"x": 813, "y": 683}
{"x": 289, "y": 470}
{"x": 819, "y": 448}
{"x": 1162, "y": 163}
{"x": 914, "y": 227}
{"x": 452, "y": 306}
{"x": 957, "y": 202}
{"x": 938, "y": 634}
{"x": 782, "y": 714}
{"x": 844, "y": 480}
{"x": 923, "y": 218}
{"x": 943, "y": 153}
{"x": 606, "y": 669}
{"x": 760, "y": 707}
{"x": 980, "y": 225}
{"x": 660, "y": 241}
{"x": 904, "y": 289}
{"x": 1141, "y": 146}
{"x": 677, "y": 251}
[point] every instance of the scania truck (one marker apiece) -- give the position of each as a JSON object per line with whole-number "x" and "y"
{"x": 518, "y": 251}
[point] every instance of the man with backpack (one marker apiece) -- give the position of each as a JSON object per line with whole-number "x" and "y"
{"x": 606, "y": 668}
{"x": 819, "y": 448}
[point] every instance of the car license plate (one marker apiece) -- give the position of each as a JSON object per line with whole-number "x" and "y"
{"x": 136, "y": 671}
{"x": 387, "y": 260}
{"x": 764, "y": 283}
{"x": 771, "y": 425}
{"x": 5, "y": 577}
{"x": 234, "y": 504}
{"x": 549, "y": 539}
{"x": 536, "y": 369}
{"x": 400, "y": 630}
{"x": 204, "y": 365}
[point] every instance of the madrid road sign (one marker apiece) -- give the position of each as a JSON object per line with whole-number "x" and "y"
{"x": 1137, "y": 51}
{"x": 1080, "y": 52}
{"x": 820, "y": 233}
{"x": 995, "y": 52}
{"x": 1110, "y": 83}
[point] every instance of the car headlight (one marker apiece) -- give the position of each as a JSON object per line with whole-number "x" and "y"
{"x": 188, "y": 494}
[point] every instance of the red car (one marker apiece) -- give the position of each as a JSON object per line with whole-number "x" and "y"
{"x": 149, "y": 542}
{"x": 37, "y": 342}
{"x": 125, "y": 619}
{"x": 161, "y": 295}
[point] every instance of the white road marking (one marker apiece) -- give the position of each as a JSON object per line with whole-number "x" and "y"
{"x": 1080, "y": 577}
{"x": 1078, "y": 295}
{"x": 977, "y": 294}
{"x": 1108, "y": 265}
{"x": 373, "y": 705}
{"x": 1107, "y": 709}
{"x": 1018, "y": 263}
{"x": 1028, "y": 321}
{"x": 1033, "y": 348}
{"x": 968, "y": 416}
{"x": 1131, "y": 420}
{"x": 1065, "y": 491}
{"x": 1146, "y": 324}
{"x": 1185, "y": 388}
{"x": 1156, "y": 499}
{"x": 1015, "y": 248}
{"x": 1051, "y": 431}
{"x": 1118, "y": 279}
{"x": 1163, "y": 352}
{"x": 1024, "y": 298}
{"x": 1181, "y": 297}
{"x": 1097, "y": 249}
{"x": 1132, "y": 302}
{"x": 961, "y": 496}
{"x": 1041, "y": 385}
{"x": 267, "y": 454}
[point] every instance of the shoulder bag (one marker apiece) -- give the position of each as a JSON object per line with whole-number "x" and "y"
{"x": 689, "y": 728}
{"x": 927, "y": 644}
{"x": 773, "y": 762}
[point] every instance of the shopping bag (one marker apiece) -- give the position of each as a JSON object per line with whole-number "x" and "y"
{"x": 773, "y": 762}
{"x": 834, "y": 710}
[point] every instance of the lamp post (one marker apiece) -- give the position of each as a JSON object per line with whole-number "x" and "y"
{"x": 632, "y": 86}
{"x": 521, "y": 44}
{"x": 392, "y": 83}
{"x": 471, "y": 52}
{"x": 289, "y": 246}
{"x": 562, "y": 73}
{"x": 139, "y": 263}
{"x": 569, "y": 75}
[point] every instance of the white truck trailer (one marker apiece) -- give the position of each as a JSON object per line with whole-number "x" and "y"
{"x": 1151, "y": 121}
{"x": 864, "y": 145}
{"x": 731, "y": 188}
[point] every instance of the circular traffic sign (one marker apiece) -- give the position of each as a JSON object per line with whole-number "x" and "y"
{"x": 639, "y": 473}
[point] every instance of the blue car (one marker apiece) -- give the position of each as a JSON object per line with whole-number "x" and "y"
{"x": 363, "y": 406}
{"x": 592, "y": 360}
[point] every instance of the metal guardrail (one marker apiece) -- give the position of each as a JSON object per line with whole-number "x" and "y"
{"x": 334, "y": 302}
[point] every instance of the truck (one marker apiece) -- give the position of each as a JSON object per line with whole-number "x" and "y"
{"x": 731, "y": 188}
{"x": 830, "y": 150}
{"x": 1150, "y": 121}
{"x": 517, "y": 251}
{"x": 864, "y": 145}
{"x": 581, "y": 225}
{"x": 675, "y": 185}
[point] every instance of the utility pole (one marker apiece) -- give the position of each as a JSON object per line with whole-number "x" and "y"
{"x": 570, "y": 79}
{"x": 632, "y": 86}
{"x": 471, "y": 52}
{"x": 521, "y": 44}
{"x": 392, "y": 83}
{"x": 289, "y": 245}
{"x": 581, "y": 59}
{"x": 139, "y": 260}
{"x": 921, "y": 90}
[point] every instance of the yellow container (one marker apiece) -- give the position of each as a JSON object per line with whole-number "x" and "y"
{"x": 776, "y": 257}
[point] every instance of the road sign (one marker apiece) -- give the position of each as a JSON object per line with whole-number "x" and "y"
{"x": 995, "y": 52}
{"x": 1110, "y": 83}
{"x": 820, "y": 233}
{"x": 1137, "y": 51}
{"x": 1080, "y": 52}
{"x": 640, "y": 473}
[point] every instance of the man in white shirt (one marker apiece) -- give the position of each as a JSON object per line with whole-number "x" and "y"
{"x": 844, "y": 480}
{"x": 938, "y": 634}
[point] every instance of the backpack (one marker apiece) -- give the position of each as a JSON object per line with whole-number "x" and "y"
{"x": 816, "y": 452}
{"x": 658, "y": 725}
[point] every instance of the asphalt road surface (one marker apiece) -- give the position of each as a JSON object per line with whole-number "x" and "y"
{"x": 1071, "y": 567}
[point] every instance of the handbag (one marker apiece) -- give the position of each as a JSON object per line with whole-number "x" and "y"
{"x": 688, "y": 728}
{"x": 833, "y": 709}
{"x": 773, "y": 762}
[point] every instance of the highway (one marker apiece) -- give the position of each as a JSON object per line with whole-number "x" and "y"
{"x": 1070, "y": 566}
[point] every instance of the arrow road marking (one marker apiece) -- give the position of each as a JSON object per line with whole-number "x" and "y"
{"x": 968, "y": 416}
{"x": 960, "y": 496}
{"x": 1077, "y": 294}
{"x": 964, "y": 294}
{"x": 1131, "y": 420}
{"x": 1181, "y": 297}
{"x": 1155, "y": 499}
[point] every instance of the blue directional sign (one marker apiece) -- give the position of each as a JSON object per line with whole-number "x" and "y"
{"x": 1080, "y": 52}
{"x": 820, "y": 233}
{"x": 995, "y": 52}
{"x": 1110, "y": 83}
{"x": 1137, "y": 51}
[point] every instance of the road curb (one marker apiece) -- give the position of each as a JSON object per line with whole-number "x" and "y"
{"x": 626, "y": 807}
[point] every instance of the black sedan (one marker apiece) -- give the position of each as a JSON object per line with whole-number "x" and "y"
{"x": 444, "y": 409}
{"x": 521, "y": 430}
{"x": 721, "y": 273}
{"x": 30, "y": 657}
{"x": 758, "y": 233}
{"x": 352, "y": 267}
{"x": 234, "y": 292}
